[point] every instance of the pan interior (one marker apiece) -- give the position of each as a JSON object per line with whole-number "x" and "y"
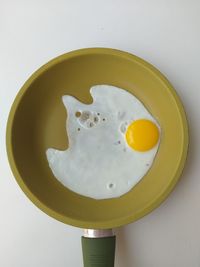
{"x": 37, "y": 122}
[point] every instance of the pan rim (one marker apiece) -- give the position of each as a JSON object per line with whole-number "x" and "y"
{"x": 116, "y": 222}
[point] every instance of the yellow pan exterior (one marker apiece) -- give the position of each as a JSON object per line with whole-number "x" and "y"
{"x": 37, "y": 121}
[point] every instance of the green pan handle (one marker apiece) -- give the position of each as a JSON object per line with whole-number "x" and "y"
{"x": 98, "y": 252}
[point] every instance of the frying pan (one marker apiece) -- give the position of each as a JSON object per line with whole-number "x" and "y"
{"x": 37, "y": 122}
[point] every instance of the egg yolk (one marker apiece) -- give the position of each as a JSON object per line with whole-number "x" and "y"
{"x": 142, "y": 135}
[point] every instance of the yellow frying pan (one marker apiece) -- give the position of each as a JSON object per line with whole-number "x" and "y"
{"x": 37, "y": 122}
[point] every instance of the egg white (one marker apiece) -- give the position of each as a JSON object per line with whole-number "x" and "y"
{"x": 98, "y": 162}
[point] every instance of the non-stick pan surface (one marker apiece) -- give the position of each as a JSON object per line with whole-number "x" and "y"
{"x": 37, "y": 122}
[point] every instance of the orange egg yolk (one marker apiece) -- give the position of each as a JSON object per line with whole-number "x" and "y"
{"x": 142, "y": 135}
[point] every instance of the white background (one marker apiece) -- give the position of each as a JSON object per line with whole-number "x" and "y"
{"x": 165, "y": 33}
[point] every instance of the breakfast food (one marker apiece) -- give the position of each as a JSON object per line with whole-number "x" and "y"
{"x": 112, "y": 144}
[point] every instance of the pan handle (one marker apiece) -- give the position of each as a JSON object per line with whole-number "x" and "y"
{"x": 98, "y": 248}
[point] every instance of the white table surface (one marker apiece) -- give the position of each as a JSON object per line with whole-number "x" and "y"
{"x": 165, "y": 33}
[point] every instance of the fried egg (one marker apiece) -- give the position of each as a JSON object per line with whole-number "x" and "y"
{"x": 112, "y": 144}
